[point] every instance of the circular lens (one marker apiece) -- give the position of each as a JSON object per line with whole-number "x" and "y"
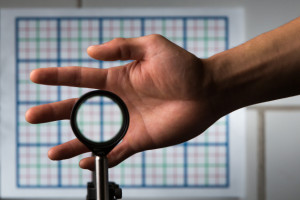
{"x": 99, "y": 119}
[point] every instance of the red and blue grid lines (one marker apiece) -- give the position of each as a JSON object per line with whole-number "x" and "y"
{"x": 62, "y": 41}
{"x": 99, "y": 119}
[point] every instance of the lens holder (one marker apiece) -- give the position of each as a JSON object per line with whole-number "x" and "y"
{"x": 100, "y": 148}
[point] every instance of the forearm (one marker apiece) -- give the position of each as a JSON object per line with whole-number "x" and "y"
{"x": 262, "y": 69}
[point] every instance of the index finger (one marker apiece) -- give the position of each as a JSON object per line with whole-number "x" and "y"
{"x": 70, "y": 76}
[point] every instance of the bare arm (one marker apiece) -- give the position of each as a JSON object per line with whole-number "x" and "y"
{"x": 262, "y": 69}
{"x": 173, "y": 96}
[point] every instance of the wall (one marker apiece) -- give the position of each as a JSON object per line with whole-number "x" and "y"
{"x": 280, "y": 121}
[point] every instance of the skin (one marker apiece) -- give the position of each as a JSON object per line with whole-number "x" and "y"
{"x": 172, "y": 95}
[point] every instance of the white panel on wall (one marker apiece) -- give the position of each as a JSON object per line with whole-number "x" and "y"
{"x": 37, "y": 3}
{"x": 291, "y": 101}
{"x": 251, "y": 149}
{"x": 282, "y": 154}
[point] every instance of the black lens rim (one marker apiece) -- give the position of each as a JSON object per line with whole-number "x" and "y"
{"x": 100, "y": 148}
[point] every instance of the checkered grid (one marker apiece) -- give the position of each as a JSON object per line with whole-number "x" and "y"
{"x": 72, "y": 175}
{"x": 76, "y": 36}
{"x": 35, "y": 169}
{"x": 89, "y": 119}
{"x": 207, "y": 165}
{"x": 129, "y": 172}
{"x": 112, "y": 119}
{"x": 106, "y": 65}
{"x": 67, "y": 131}
{"x": 206, "y": 37}
{"x": 165, "y": 167}
{"x": 37, "y": 39}
{"x": 29, "y": 91}
{"x": 114, "y": 28}
{"x": 72, "y": 92}
{"x": 99, "y": 119}
{"x": 169, "y": 28}
{"x": 214, "y": 134}
{"x": 35, "y": 134}
{"x": 46, "y": 42}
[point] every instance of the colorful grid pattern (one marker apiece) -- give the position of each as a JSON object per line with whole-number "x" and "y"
{"x": 62, "y": 41}
{"x": 99, "y": 119}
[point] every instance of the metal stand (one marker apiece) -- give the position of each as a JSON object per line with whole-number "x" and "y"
{"x": 106, "y": 190}
{"x": 115, "y": 192}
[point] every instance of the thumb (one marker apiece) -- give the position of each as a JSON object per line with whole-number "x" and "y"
{"x": 119, "y": 49}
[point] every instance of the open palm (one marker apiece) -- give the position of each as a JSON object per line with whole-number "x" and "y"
{"x": 165, "y": 88}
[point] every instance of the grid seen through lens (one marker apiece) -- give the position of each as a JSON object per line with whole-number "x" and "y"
{"x": 99, "y": 119}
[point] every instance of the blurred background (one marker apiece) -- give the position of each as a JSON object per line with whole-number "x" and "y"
{"x": 273, "y": 139}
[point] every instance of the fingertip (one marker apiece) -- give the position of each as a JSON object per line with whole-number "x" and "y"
{"x": 44, "y": 75}
{"x": 34, "y": 75}
{"x": 91, "y": 50}
{"x": 34, "y": 115}
{"x": 87, "y": 163}
{"x": 51, "y": 154}
{"x": 30, "y": 117}
{"x": 82, "y": 164}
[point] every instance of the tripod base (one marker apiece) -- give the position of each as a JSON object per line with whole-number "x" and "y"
{"x": 115, "y": 192}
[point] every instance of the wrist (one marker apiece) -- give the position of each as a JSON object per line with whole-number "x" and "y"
{"x": 231, "y": 79}
{"x": 262, "y": 69}
{"x": 218, "y": 89}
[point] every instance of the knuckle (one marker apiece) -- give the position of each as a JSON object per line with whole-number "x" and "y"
{"x": 122, "y": 47}
{"x": 77, "y": 76}
{"x": 119, "y": 40}
{"x": 155, "y": 37}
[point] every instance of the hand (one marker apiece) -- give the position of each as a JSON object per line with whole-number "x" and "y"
{"x": 165, "y": 88}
